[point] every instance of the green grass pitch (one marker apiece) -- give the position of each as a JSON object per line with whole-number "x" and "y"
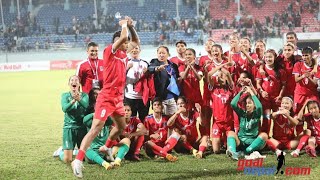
{"x": 31, "y": 130}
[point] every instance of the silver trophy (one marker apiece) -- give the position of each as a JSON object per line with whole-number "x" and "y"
{"x": 118, "y": 16}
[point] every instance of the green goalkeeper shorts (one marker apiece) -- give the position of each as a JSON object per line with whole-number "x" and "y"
{"x": 72, "y": 137}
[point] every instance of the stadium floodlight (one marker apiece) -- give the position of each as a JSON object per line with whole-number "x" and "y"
{"x": 2, "y": 19}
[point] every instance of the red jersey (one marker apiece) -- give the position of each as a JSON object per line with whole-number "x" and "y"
{"x": 89, "y": 70}
{"x": 191, "y": 86}
{"x": 304, "y": 87}
{"x": 114, "y": 74}
{"x": 206, "y": 97}
{"x": 153, "y": 127}
{"x": 313, "y": 125}
{"x": 291, "y": 82}
{"x": 270, "y": 82}
{"x": 282, "y": 130}
{"x": 132, "y": 126}
{"x": 203, "y": 59}
{"x": 244, "y": 64}
{"x": 221, "y": 99}
{"x": 177, "y": 60}
{"x": 187, "y": 124}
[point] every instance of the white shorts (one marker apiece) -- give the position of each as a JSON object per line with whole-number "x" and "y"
{"x": 169, "y": 106}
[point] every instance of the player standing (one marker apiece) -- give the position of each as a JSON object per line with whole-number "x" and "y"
{"x": 110, "y": 99}
{"x": 90, "y": 71}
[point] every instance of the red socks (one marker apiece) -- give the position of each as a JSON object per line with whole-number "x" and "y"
{"x": 202, "y": 148}
{"x": 159, "y": 151}
{"x": 271, "y": 145}
{"x": 110, "y": 143}
{"x": 187, "y": 145}
{"x": 303, "y": 141}
{"x": 139, "y": 143}
{"x": 170, "y": 144}
{"x": 80, "y": 155}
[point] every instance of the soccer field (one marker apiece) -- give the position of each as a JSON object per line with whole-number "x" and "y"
{"x": 31, "y": 122}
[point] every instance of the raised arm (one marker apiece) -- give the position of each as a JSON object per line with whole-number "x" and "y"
{"x": 135, "y": 41}
{"x": 234, "y": 103}
{"x": 65, "y": 104}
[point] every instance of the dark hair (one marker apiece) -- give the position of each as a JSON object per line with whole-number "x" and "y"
{"x": 292, "y": 59}
{"x": 276, "y": 63}
{"x": 117, "y": 34}
{"x": 313, "y": 102}
{"x": 92, "y": 100}
{"x": 220, "y": 47}
{"x": 247, "y": 38}
{"x": 192, "y": 50}
{"x": 309, "y": 50}
{"x": 292, "y": 33}
{"x": 127, "y": 104}
{"x": 260, "y": 40}
{"x": 181, "y": 42}
{"x": 183, "y": 98}
{"x": 165, "y": 47}
{"x": 156, "y": 99}
{"x": 249, "y": 75}
{"x": 91, "y": 44}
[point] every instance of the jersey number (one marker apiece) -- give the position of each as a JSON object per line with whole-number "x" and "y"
{"x": 103, "y": 113}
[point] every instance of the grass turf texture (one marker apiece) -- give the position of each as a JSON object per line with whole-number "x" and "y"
{"x": 31, "y": 130}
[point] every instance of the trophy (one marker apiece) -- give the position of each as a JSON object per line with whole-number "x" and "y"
{"x": 118, "y": 17}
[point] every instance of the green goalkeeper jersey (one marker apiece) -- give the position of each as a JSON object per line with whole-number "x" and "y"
{"x": 249, "y": 124}
{"x": 74, "y": 113}
{"x": 102, "y": 137}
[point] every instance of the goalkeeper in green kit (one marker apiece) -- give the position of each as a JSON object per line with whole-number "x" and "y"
{"x": 119, "y": 150}
{"x": 93, "y": 154}
{"x": 74, "y": 104}
{"x": 248, "y": 139}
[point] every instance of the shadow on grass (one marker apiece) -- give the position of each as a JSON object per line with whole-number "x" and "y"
{"x": 185, "y": 174}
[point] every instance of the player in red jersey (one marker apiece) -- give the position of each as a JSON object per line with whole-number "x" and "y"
{"x": 313, "y": 120}
{"x": 306, "y": 87}
{"x": 207, "y": 47}
{"x": 110, "y": 99}
{"x": 188, "y": 124}
{"x": 283, "y": 130}
{"x": 292, "y": 38}
{"x": 90, "y": 71}
{"x": 246, "y": 60}
{"x": 260, "y": 49}
{"x": 270, "y": 85}
{"x": 181, "y": 47}
{"x": 135, "y": 131}
{"x": 157, "y": 132}
{"x": 190, "y": 79}
{"x": 206, "y": 97}
{"x": 222, "y": 94}
{"x": 287, "y": 61}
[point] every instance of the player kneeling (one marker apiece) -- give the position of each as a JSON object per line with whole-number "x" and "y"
{"x": 248, "y": 139}
{"x": 313, "y": 121}
{"x": 185, "y": 123}
{"x": 157, "y": 131}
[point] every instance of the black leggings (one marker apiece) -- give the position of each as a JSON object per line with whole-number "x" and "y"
{"x": 137, "y": 106}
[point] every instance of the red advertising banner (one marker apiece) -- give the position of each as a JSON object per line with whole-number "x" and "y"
{"x": 64, "y": 64}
